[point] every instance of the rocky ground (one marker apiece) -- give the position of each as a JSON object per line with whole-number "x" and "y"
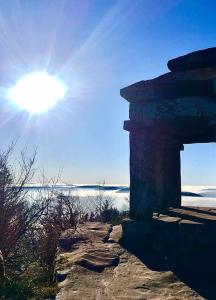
{"x": 93, "y": 265}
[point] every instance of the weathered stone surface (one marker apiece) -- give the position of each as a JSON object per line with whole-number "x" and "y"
{"x": 166, "y": 221}
{"x": 98, "y": 260}
{"x": 195, "y": 219}
{"x": 70, "y": 238}
{"x": 186, "y": 239}
{"x": 79, "y": 245}
{"x": 190, "y": 223}
{"x": 178, "y": 232}
{"x": 130, "y": 279}
{"x": 195, "y": 60}
{"x": 193, "y": 215}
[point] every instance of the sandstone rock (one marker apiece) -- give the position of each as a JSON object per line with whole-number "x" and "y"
{"x": 85, "y": 232}
{"x": 192, "y": 214}
{"x": 129, "y": 279}
{"x": 98, "y": 260}
{"x": 69, "y": 239}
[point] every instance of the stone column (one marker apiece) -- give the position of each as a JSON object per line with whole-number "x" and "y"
{"x": 145, "y": 155}
{"x": 143, "y": 152}
{"x": 155, "y": 178}
{"x": 155, "y": 174}
{"x": 170, "y": 195}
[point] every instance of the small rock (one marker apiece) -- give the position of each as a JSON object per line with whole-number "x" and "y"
{"x": 116, "y": 234}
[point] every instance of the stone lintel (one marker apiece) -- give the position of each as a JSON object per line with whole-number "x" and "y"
{"x": 189, "y": 83}
{"x": 182, "y": 131}
{"x": 154, "y": 90}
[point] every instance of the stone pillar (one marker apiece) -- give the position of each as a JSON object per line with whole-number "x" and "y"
{"x": 155, "y": 179}
{"x": 170, "y": 194}
{"x": 144, "y": 161}
{"x": 155, "y": 174}
{"x": 143, "y": 152}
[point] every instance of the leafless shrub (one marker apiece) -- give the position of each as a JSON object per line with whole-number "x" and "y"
{"x": 15, "y": 215}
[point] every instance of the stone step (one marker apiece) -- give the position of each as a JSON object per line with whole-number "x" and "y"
{"x": 196, "y": 215}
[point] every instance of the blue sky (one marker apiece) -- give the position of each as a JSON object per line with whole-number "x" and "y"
{"x": 96, "y": 47}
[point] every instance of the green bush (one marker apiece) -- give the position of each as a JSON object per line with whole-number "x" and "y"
{"x": 16, "y": 290}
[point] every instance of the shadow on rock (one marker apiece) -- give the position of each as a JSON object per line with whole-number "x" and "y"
{"x": 195, "y": 267}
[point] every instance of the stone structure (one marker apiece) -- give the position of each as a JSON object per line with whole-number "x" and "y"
{"x": 167, "y": 112}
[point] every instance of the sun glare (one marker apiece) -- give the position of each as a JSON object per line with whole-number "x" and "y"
{"x": 37, "y": 92}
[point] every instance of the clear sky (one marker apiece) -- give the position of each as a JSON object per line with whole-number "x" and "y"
{"x": 96, "y": 47}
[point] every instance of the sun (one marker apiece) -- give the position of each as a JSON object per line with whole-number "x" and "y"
{"x": 37, "y": 92}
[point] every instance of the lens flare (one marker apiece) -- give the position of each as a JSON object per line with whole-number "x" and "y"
{"x": 37, "y": 92}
